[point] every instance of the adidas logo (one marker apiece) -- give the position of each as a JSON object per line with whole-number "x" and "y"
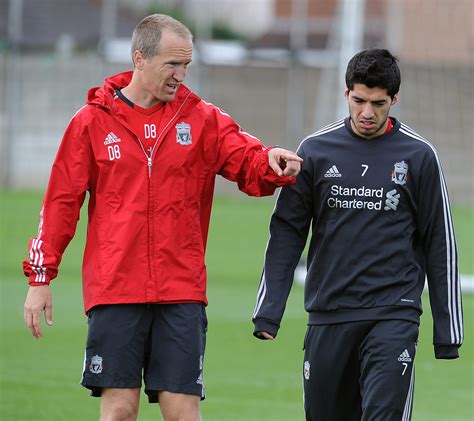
{"x": 333, "y": 172}
{"x": 405, "y": 357}
{"x": 111, "y": 138}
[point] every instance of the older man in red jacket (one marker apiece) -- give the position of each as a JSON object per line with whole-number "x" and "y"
{"x": 147, "y": 150}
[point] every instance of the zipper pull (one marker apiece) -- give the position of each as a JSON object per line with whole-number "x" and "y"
{"x": 150, "y": 162}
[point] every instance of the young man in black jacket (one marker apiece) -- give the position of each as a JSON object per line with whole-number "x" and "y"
{"x": 373, "y": 192}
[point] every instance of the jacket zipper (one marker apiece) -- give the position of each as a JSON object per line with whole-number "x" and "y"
{"x": 153, "y": 148}
{"x": 149, "y": 157}
{"x": 150, "y": 227}
{"x": 150, "y": 161}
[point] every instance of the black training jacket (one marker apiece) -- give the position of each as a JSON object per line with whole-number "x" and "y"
{"x": 380, "y": 224}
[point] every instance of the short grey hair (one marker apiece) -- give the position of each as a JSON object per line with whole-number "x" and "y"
{"x": 147, "y": 34}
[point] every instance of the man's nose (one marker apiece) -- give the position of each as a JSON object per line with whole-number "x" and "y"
{"x": 180, "y": 73}
{"x": 368, "y": 110}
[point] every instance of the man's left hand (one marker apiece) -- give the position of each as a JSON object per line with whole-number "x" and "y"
{"x": 284, "y": 162}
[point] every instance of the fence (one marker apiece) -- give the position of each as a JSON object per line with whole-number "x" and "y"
{"x": 42, "y": 92}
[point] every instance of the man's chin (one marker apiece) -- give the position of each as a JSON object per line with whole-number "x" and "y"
{"x": 371, "y": 131}
{"x": 168, "y": 97}
{"x": 367, "y": 133}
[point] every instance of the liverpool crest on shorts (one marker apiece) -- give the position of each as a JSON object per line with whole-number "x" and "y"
{"x": 183, "y": 134}
{"x": 96, "y": 364}
{"x": 306, "y": 370}
{"x": 400, "y": 173}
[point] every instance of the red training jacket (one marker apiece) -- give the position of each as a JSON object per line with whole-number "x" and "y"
{"x": 149, "y": 210}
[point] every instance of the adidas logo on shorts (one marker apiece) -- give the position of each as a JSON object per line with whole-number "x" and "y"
{"x": 333, "y": 172}
{"x": 405, "y": 357}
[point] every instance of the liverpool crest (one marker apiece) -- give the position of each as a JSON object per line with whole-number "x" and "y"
{"x": 400, "y": 173}
{"x": 306, "y": 370}
{"x": 183, "y": 134}
{"x": 96, "y": 364}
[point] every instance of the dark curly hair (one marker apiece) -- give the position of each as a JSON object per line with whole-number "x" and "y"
{"x": 374, "y": 68}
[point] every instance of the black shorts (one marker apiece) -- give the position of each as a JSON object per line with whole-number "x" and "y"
{"x": 164, "y": 343}
{"x": 360, "y": 371}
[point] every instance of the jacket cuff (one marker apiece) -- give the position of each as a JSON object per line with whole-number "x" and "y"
{"x": 32, "y": 280}
{"x": 446, "y": 352}
{"x": 264, "y": 325}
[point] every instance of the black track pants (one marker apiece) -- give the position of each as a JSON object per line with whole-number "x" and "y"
{"x": 360, "y": 371}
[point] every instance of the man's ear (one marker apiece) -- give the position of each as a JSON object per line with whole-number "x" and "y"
{"x": 138, "y": 60}
{"x": 395, "y": 99}
{"x": 346, "y": 93}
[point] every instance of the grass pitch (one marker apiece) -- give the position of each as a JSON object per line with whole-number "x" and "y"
{"x": 245, "y": 379}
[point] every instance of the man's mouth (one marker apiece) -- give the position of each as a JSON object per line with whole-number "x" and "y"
{"x": 367, "y": 124}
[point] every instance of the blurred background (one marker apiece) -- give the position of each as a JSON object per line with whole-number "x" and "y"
{"x": 277, "y": 67}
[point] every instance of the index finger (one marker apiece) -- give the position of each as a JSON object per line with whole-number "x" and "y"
{"x": 290, "y": 156}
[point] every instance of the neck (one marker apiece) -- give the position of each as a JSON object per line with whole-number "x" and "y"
{"x": 139, "y": 97}
{"x": 136, "y": 93}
